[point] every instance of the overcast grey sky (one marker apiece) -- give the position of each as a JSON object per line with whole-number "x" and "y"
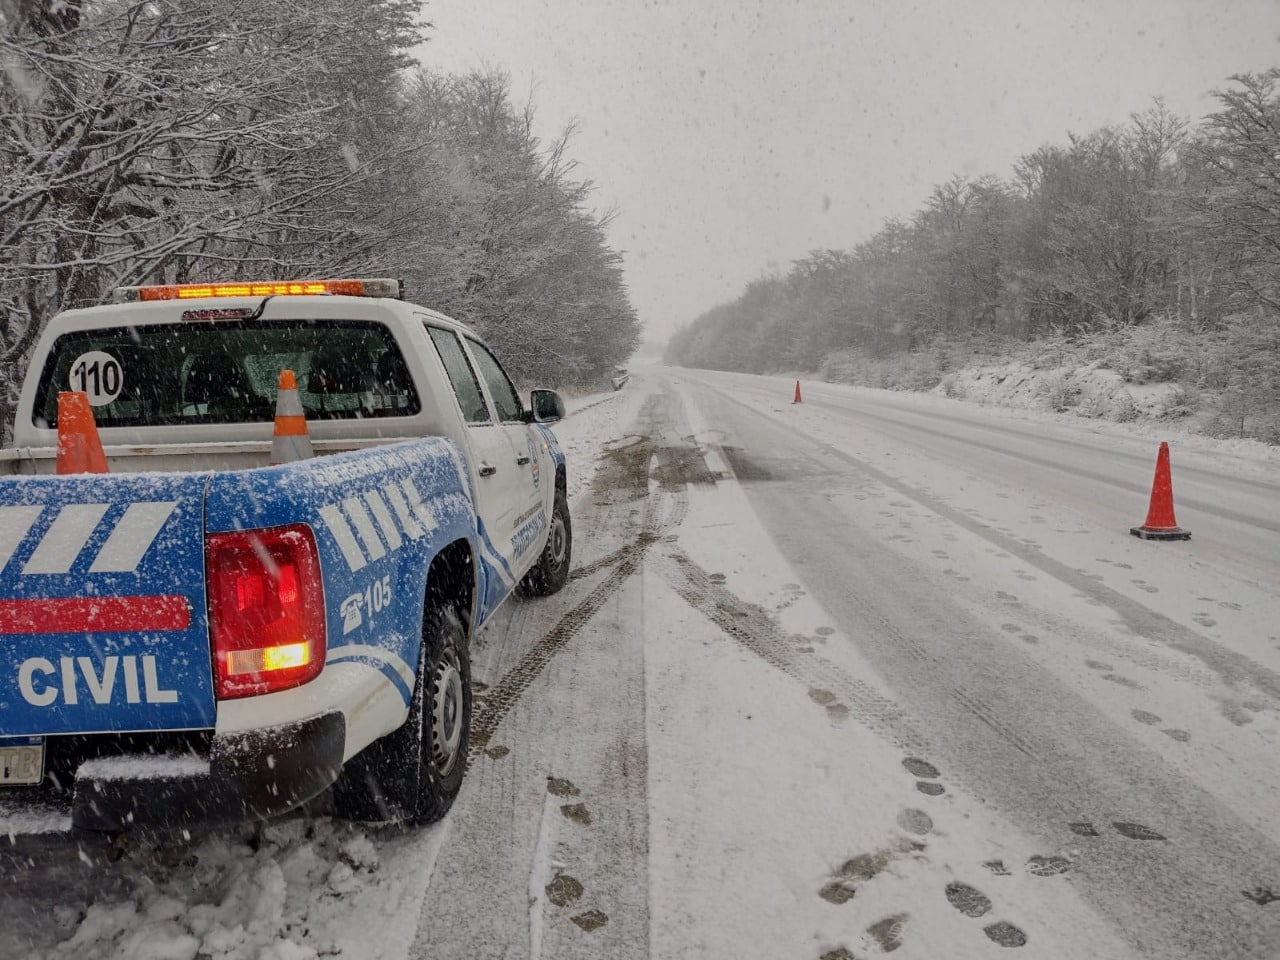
{"x": 735, "y": 136}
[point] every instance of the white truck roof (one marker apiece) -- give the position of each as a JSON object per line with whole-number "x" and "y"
{"x": 437, "y": 415}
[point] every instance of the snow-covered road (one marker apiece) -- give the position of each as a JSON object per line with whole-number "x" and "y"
{"x": 1093, "y": 688}
{"x": 867, "y": 673}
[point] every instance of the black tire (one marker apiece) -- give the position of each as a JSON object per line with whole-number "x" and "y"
{"x": 413, "y": 774}
{"x": 552, "y": 570}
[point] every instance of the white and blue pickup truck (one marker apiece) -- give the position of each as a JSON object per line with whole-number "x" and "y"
{"x": 196, "y": 635}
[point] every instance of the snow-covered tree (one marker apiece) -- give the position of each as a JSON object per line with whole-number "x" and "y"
{"x": 170, "y": 139}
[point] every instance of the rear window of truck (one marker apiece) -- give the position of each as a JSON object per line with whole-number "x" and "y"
{"x": 227, "y": 372}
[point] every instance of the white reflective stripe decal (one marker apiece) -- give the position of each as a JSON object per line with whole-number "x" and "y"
{"x": 14, "y": 524}
{"x": 132, "y": 537}
{"x": 425, "y": 516}
{"x": 381, "y": 654}
{"x": 364, "y": 528}
{"x": 403, "y": 514}
{"x": 495, "y": 562}
{"x": 369, "y": 525}
{"x": 66, "y": 537}
{"x": 383, "y": 516}
{"x": 342, "y": 535}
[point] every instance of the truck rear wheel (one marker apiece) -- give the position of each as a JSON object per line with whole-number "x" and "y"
{"x": 413, "y": 774}
{"x": 552, "y": 570}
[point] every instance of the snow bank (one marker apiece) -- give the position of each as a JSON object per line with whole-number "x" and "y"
{"x": 1088, "y": 390}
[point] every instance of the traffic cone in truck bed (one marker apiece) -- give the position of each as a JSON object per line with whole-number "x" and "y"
{"x": 79, "y": 447}
{"x": 290, "y": 441}
{"x": 1161, "y": 524}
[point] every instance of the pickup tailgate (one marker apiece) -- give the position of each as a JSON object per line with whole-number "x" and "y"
{"x": 102, "y": 605}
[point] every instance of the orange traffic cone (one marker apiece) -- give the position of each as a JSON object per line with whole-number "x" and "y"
{"x": 797, "y": 399}
{"x": 79, "y": 447}
{"x": 1161, "y": 524}
{"x": 290, "y": 441}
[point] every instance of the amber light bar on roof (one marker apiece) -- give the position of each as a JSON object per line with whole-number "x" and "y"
{"x": 371, "y": 287}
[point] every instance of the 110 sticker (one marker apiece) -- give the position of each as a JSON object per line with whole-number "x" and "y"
{"x": 97, "y": 374}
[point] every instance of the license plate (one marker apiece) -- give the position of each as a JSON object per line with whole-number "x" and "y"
{"x": 21, "y": 761}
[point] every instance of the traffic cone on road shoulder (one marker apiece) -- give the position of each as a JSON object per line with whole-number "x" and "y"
{"x": 290, "y": 441}
{"x": 1161, "y": 524}
{"x": 797, "y": 399}
{"x": 79, "y": 446}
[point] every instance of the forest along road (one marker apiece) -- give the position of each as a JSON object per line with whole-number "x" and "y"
{"x": 851, "y": 676}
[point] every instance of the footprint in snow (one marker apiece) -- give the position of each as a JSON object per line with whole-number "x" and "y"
{"x": 837, "y": 891}
{"x": 560, "y": 787}
{"x": 972, "y": 902}
{"x": 1122, "y": 680}
{"x": 577, "y": 812}
{"x": 1005, "y": 934}
{"x": 927, "y": 772}
{"x": 564, "y": 890}
{"x": 1126, "y": 828}
{"x": 1047, "y": 866}
{"x": 1036, "y": 866}
{"x": 915, "y": 821}
{"x": 854, "y": 872}
{"x": 591, "y": 921}
{"x": 920, "y": 768}
{"x": 889, "y": 932}
{"x": 838, "y": 713}
{"x": 1136, "y": 831}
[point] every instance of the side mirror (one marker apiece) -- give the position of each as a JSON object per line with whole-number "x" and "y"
{"x": 546, "y": 405}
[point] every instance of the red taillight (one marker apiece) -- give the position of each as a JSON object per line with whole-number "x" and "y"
{"x": 266, "y": 609}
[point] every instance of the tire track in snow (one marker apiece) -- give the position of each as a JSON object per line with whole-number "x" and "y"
{"x": 759, "y": 632}
{"x": 618, "y": 486}
{"x": 625, "y": 481}
{"x": 506, "y": 693}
